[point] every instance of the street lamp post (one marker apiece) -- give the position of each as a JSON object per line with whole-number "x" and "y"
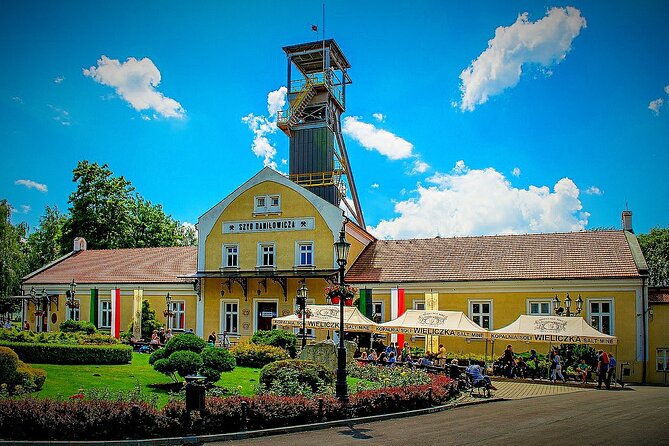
{"x": 341, "y": 247}
{"x": 302, "y": 295}
{"x": 70, "y": 294}
{"x": 560, "y": 311}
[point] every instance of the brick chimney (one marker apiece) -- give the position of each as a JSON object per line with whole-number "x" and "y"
{"x": 627, "y": 221}
{"x": 79, "y": 244}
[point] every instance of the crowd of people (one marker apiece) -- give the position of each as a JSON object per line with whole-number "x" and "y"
{"x": 392, "y": 355}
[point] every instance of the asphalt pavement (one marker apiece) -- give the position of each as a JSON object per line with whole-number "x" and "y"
{"x": 635, "y": 416}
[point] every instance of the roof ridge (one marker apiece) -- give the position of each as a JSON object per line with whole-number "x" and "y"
{"x": 529, "y": 234}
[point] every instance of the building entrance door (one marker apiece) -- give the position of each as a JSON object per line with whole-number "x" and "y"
{"x": 265, "y": 311}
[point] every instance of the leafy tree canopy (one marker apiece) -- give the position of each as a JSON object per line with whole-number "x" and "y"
{"x": 655, "y": 247}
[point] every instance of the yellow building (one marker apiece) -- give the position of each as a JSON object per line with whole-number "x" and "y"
{"x": 658, "y": 335}
{"x": 495, "y": 279}
{"x": 258, "y": 245}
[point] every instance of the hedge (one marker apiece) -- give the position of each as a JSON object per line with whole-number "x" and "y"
{"x": 34, "y": 419}
{"x": 252, "y": 355}
{"x": 71, "y": 354}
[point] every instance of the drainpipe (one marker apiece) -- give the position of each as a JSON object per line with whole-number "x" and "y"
{"x": 644, "y": 306}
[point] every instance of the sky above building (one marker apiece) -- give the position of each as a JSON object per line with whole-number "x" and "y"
{"x": 462, "y": 119}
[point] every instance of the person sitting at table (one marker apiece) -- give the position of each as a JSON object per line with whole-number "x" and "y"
{"x": 155, "y": 340}
{"x": 372, "y": 355}
{"x": 211, "y": 340}
{"x": 454, "y": 369}
{"x": 383, "y": 358}
{"x": 391, "y": 359}
{"x": 582, "y": 371}
{"x": 426, "y": 361}
{"x": 408, "y": 361}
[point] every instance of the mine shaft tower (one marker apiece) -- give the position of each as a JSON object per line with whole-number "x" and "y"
{"x": 317, "y": 79}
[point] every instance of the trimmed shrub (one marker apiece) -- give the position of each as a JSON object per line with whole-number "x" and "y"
{"x": 185, "y": 341}
{"x": 278, "y": 338}
{"x": 161, "y": 353}
{"x": 218, "y": 358}
{"x": 71, "y": 354}
{"x": 29, "y": 378}
{"x": 311, "y": 374}
{"x": 71, "y": 326}
{"x": 253, "y": 355}
{"x": 185, "y": 362}
{"x": 58, "y": 337}
{"x": 164, "y": 366}
{"x": 211, "y": 374}
{"x": 9, "y": 361}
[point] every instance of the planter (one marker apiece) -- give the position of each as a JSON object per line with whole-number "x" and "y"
{"x": 334, "y": 300}
{"x": 348, "y": 301}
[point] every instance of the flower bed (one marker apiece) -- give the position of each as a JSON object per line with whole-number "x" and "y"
{"x": 82, "y": 419}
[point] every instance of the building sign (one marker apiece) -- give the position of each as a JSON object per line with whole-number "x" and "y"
{"x": 269, "y": 225}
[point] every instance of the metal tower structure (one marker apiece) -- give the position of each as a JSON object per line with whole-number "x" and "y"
{"x": 317, "y": 79}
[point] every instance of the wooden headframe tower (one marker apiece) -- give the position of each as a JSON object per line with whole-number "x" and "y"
{"x": 317, "y": 79}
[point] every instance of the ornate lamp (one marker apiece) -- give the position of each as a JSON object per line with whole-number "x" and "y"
{"x": 342, "y": 247}
{"x": 70, "y": 294}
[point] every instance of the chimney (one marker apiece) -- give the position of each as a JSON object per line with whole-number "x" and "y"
{"x": 79, "y": 244}
{"x": 627, "y": 221}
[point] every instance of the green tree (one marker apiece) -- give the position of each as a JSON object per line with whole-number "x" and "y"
{"x": 13, "y": 264}
{"x": 655, "y": 247}
{"x": 44, "y": 244}
{"x": 100, "y": 208}
{"x": 152, "y": 227}
{"x": 149, "y": 321}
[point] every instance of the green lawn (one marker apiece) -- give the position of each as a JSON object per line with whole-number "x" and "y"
{"x": 66, "y": 380}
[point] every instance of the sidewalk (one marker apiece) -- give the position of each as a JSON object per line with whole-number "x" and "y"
{"x": 519, "y": 389}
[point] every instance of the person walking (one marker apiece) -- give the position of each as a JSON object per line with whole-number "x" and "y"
{"x": 557, "y": 369}
{"x": 610, "y": 373}
{"x": 508, "y": 361}
{"x": 602, "y": 369}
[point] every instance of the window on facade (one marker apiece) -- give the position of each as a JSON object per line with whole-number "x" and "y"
{"x": 230, "y": 317}
{"x": 539, "y": 307}
{"x": 418, "y": 304}
{"x": 601, "y": 315}
{"x": 662, "y": 359}
{"x": 265, "y": 204}
{"x": 260, "y": 202}
{"x": 274, "y": 201}
{"x": 178, "y": 320}
{"x": 377, "y": 312}
{"x": 481, "y": 313}
{"x": 266, "y": 254}
{"x": 105, "y": 313}
{"x": 231, "y": 256}
{"x": 305, "y": 254}
{"x": 72, "y": 314}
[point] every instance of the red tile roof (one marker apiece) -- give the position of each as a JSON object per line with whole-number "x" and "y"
{"x": 658, "y": 295}
{"x": 574, "y": 255}
{"x": 137, "y": 265}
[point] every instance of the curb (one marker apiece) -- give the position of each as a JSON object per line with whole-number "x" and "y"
{"x": 201, "y": 439}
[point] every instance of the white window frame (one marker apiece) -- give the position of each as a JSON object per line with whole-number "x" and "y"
{"x": 470, "y": 305}
{"x": 69, "y": 312}
{"x": 176, "y": 315}
{"x": 383, "y": 309}
{"x": 262, "y": 204}
{"x": 224, "y": 314}
{"x": 662, "y": 353}
{"x": 255, "y": 309}
{"x": 311, "y": 334}
{"x": 226, "y": 256}
{"x": 102, "y": 311}
{"x": 611, "y": 313}
{"x": 261, "y": 246}
{"x": 539, "y": 301}
{"x": 298, "y": 254}
{"x": 417, "y": 303}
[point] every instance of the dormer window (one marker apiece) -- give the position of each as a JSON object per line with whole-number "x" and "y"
{"x": 267, "y": 204}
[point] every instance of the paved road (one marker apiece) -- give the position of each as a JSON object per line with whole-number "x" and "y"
{"x": 639, "y": 417}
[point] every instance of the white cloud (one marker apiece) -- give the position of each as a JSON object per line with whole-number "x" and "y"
{"x": 419, "y": 166}
{"x": 261, "y": 126}
{"x": 374, "y": 185}
{"x": 656, "y": 105}
{"x": 476, "y": 202}
{"x": 372, "y": 138}
{"x": 379, "y": 117}
{"x": 25, "y": 208}
{"x": 545, "y": 42}
{"x": 30, "y": 184}
{"x": 516, "y": 172}
{"x": 594, "y": 190}
{"x": 136, "y": 82}
{"x": 59, "y": 79}
{"x": 284, "y": 162}
{"x": 276, "y": 100}
{"x": 62, "y": 116}
{"x": 18, "y": 99}
{"x": 666, "y": 89}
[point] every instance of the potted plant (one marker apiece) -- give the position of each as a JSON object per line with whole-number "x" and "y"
{"x": 336, "y": 292}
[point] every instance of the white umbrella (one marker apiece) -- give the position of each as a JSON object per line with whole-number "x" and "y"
{"x": 326, "y": 317}
{"x": 552, "y": 329}
{"x": 433, "y": 322}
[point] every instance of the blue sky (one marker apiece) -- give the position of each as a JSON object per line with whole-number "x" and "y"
{"x": 574, "y": 126}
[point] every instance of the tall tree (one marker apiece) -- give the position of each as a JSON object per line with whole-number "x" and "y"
{"x": 100, "y": 208}
{"x": 151, "y": 226}
{"x": 655, "y": 247}
{"x": 44, "y": 244}
{"x": 12, "y": 255}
